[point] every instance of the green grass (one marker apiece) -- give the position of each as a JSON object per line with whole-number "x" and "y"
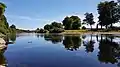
{"x": 76, "y": 30}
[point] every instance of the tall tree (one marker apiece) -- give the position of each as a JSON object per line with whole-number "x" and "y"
{"x": 89, "y": 19}
{"x": 48, "y": 27}
{"x": 56, "y": 24}
{"x": 76, "y": 22}
{"x": 73, "y": 22}
{"x": 67, "y": 22}
{"x": 109, "y": 13}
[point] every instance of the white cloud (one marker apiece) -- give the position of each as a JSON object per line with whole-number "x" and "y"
{"x": 26, "y": 18}
{"x": 26, "y": 22}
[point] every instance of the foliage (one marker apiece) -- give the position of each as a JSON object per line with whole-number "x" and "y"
{"x": 108, "y": 50}
{"x": 3, "y": 31}
{"x": 83, "y": 27}
{"x": 53, "y": 38}
{"x": 89, "y": 19}
{"x": 72, "y": 42}
{"x": 2, "y": 8}
{"x": 12, "y": 37}
{"x": 48, "y": 27}
{"x": 4, "y": 26}
{"x": 72, "y": 23}
{"x": 54, "y": 27}
{"x": 13, "y": 26}
{"x": 109, "y": 13}
{"x": 41, "y": 31}
{"x": 56, "y": 30}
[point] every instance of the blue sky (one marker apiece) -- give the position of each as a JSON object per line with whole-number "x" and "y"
{"x": 32, "y": 14}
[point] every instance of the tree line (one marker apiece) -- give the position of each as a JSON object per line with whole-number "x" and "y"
{"x": 109, "y": 14}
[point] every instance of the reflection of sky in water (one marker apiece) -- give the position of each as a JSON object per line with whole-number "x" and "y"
{"x": 42, "y": 53}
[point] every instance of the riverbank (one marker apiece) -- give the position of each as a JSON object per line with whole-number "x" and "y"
{"x": 89, "y": 32}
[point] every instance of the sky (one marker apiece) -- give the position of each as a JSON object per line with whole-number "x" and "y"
{"x": 32, "y": 14}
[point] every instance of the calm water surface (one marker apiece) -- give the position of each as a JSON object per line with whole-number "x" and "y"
{"x": 38, "y": 50}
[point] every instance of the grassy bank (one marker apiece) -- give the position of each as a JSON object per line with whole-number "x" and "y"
{"x": 90, "y": 32}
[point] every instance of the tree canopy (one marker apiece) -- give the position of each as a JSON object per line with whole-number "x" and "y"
{"x": 72, "y": 23}
{"x": 89, "y": 19}
{"x": 109, "y": 13}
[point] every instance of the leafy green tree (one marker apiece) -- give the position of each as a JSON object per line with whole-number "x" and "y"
{"x": 13, "y": 29}
{"x": 76, "y": 22}
{"x": 83, "y": 27}
{"x": 72, "y": 22}
{"x": 54, "y": 27}
{"x": 57, "y": 25}
{"x": 40, "y": 30}
{"x": 2, "y": 8}
{"x": 89, "y": 19}
{"x": 48, "y": 27}
{"x": 67, "y": 22}
{"x": 4, "y": 26}
{"x": 13, "y": 26}
{"x": 109, "y": 13}
{"x": 37, "y": 30}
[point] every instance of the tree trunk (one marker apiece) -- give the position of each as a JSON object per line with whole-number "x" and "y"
{"x": 91, "y": 38}
{"x": 111, "y": 25}
{"x": 101, "y": 27}
{"x": 106, "y": 27}
{"x": 97, "y": 27}
{"x": 91, "y": 27}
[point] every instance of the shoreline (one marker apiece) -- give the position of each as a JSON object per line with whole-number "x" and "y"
{"x": 90, "y": 33}
{"x": 82, "y": 33}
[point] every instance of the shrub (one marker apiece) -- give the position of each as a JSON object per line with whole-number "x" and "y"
{"x": 56, "y": 30}
{"x": 3, "y": 31}
{"x": 83, "y": 27}
{"x": 42, "y": 31}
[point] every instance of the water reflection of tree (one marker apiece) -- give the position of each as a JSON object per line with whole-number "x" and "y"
{"x": 12, "y": 37}
{"x": 3, "y": 61}
{"x": 72, "y": 42}
{"x": 109, "y": 51}
{"x": 89, "y": 45}
{"x": 53, "y": 38}
{"x": 39, "y": 35}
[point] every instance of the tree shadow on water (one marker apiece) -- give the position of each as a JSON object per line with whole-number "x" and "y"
{"x": 109, "y": 51}
{"x": 89, "y": 45}
{"x": 55, "y": 39}
{"x": 72, "y": 42}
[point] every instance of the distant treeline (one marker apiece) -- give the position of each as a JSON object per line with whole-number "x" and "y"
{"x": 25, "y": 31}
{"x": 109, "y": 14}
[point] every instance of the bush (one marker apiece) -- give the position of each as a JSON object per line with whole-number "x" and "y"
{"x": 42, "y": 31}
{"x": 3, "y": 31}
{"x": 83, "y": 27}
{"x": 56, "y": 30}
